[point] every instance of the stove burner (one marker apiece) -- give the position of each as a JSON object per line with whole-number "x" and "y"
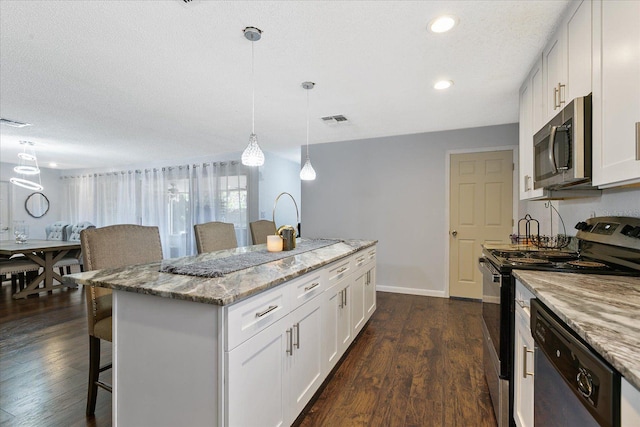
{"x": 508, "y": 254}
{"x": 529, "y": 261}
{"x": 587, "y": 264}
{"x": 554, "y": 255}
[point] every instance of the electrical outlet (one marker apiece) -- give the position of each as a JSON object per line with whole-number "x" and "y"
{"x": 263, "y": 214}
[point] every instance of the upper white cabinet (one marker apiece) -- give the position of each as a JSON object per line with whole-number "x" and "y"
{"x": 531, "y": 118}
{"x": 567, "y": 60}
{"x": 616, "y": 92}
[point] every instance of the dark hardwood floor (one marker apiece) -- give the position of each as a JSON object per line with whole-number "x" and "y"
{"x": 417, "y": 363}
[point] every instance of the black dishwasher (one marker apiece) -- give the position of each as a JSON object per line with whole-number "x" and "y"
{"x": 573, "y": 385}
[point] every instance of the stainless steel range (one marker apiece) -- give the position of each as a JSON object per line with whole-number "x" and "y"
{"x": 605, "y": 245}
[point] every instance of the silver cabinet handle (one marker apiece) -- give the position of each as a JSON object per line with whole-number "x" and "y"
{"x": 525, "y": 350}
{"x": 289, "y": 341}
{"x": 345, "y": 297}
{"x": 341, "y": 299}
{"x": 555, "y": 98}
{"x": 360, "y": 259}
{"x": 267, "y": 311}
{"x": 342, "y": 270}
{"x": 296, "y": 343}
{"x": 313, "y": 285}
{"x": 561, "y": 90}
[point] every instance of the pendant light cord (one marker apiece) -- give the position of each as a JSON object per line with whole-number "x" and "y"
{"x": 307, "y": 123}
{"x": 253, "y": 94}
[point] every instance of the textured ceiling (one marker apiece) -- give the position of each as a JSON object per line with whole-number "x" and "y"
{"x": 120, "y": 82}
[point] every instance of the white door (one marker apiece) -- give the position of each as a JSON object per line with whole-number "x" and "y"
{"x": 480, "y": 211}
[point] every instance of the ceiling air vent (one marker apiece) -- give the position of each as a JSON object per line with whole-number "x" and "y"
{"x": 13, "y": 123}
{"x": 334, "y": 119}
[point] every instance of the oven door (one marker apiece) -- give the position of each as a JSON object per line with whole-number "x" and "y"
{"x": 496, "y": 309}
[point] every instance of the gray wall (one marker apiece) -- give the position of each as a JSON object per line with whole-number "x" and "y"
{"x": 277, "y": 175}
{"x": 393, "y": 190}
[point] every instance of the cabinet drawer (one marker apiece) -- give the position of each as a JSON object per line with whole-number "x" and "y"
{"x": 248, "y": 317}
{"x": 306, "y": 287}
{"x": 338, "y": 270}
{"x": 523, "y": 299}
{"x": 364, "y": 257}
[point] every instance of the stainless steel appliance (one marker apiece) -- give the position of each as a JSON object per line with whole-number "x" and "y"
{"x": 606, "y": 245}
{"x": 573, "y": 385}
{"x": 562, "y": 148}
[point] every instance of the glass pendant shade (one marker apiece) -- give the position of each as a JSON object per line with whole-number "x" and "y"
{"x": 307, "y": 173}
{"x": 253, "y": 155}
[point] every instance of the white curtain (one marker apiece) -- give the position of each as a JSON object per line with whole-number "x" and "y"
{"x": 220, "y": 194}
{"x": 171, "y": 198}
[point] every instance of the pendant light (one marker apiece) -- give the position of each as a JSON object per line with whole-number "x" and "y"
{"x": 28, "y": 166}
{"x": 307, "y": 173}
{"x": 253, "y": 155}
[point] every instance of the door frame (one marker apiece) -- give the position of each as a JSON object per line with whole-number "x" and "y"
{"x": 447, "y": 171}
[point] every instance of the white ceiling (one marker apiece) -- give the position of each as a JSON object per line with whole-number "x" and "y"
{"x": 122, "y": 82}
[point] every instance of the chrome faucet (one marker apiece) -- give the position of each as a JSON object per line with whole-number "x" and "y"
{"x": 294, "y": 203}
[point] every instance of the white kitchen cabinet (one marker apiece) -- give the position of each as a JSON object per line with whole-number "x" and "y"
{"x": 616, "y": 92}
{"x": 370, "y": 293}
{"x": 336, "y": 321}
{"x": 531, "y": 118}
{"x": 304, "y": 364}
{"x": 523, "y": 360}
{"x": 629, "y": 405}
{"x": 358, "y": 318}
{"x": 257, "y": 386}
{"x": 567, "y": 59}
{"x": 277, "y": 371}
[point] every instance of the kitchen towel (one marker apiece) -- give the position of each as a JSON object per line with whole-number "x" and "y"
{"x": 221, "y": 266}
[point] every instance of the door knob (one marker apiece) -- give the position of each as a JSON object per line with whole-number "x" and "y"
{"x": 454, "y": 233}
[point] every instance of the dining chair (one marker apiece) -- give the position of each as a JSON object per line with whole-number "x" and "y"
{"x": 215, "y": 236}
{"x": 110, "y": 247}
{"x": 59, "y": 230}
{"x": 260, "y": 230}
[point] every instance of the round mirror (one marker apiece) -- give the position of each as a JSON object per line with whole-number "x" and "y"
{"x": 37, "y": 205}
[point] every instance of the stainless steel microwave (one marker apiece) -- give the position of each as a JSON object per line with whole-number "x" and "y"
{"x": 562, "y": 148}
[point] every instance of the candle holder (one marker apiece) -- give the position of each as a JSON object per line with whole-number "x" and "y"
{"x": 274, "y": 243}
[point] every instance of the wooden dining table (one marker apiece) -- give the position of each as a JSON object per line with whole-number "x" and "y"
{"x": 45, "y": 253}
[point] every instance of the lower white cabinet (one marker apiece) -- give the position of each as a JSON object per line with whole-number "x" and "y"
{"x": 523, "y": 360}
{"x": 370, "y": 292}
{"x": 336, "y": 319}
{"x": 358, "y": 318}
{"x": 273, "y": 375}
{"x": 629, "y": 405}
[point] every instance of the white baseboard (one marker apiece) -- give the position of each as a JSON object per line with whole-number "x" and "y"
{"x": 412, "y": 291}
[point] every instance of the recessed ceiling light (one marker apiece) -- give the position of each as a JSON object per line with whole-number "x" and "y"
{"x": 53, "y": 165}
{"x": 442, "y": 24}
{"x": 443, "y": 84}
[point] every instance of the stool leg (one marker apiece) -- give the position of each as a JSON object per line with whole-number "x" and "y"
{"x": 94, "y": 372}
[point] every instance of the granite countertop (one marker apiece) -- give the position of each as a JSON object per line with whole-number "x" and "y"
{"x": 233, "y": 287}
{"x": 603, "y": 310}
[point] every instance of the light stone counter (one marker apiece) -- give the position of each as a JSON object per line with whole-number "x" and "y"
{"x": 147, "y": 278}
{"x": 603, "y": 310}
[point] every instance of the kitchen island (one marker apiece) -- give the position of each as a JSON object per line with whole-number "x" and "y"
{"x": 605, "y": 312}
{"x": 249, "y": 348}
